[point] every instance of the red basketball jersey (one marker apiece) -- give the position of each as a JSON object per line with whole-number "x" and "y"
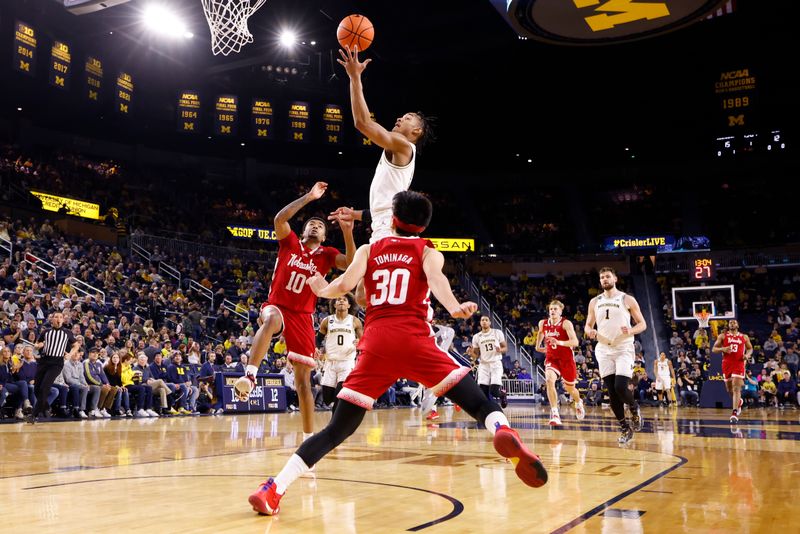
{"x": 555, "y": 331}
{"x": 737, "y": 344}
{"x": 296, "y": 263}
{"x": 396, "y": 285}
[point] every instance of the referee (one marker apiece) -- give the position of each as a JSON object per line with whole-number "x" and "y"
{"x": 52, "y": 344}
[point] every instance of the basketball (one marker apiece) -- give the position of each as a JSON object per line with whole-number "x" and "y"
{"x": 355, "y": 31}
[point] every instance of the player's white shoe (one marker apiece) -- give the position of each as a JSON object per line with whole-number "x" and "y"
{"x": 580, "y": 411}
{"x": 555, "y": 419}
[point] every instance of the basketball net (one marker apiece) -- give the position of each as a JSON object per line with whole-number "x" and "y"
{"x": 703, "y": 317}
{"x": 227, "y": 20}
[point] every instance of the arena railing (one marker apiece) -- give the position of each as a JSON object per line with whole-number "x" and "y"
{"x": 38, "y": 263}
{"x": 520, "y": 389}
{"x": 169, "y": 270}
{"x": 202, "y": 290}
{"x": 230, "y": 305}
{"x": 85, "y": 289}
{"x": 8, "y": 247}
{"x": 139, "y": 250}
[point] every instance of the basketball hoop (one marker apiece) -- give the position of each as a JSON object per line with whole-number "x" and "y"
{"x": 227, "y": 20}
{"x": 702, "y": 317}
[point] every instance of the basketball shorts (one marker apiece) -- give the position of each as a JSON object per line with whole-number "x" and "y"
{"x": 336, "y": 371}
{"x": 663, "y": 383}
{"x": 564, "y": 367}
{"x": 615, "y": 360}
{"x": 490, "y": 374}
{"x": 732, "y": 368}
{"x": 381, "y": 225}
{"x": 388, "y": 353}
{"x": 298, "y": 331}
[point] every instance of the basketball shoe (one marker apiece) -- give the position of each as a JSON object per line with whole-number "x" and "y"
{"x": 555, "y": 418}
{"x": 580, "y": 411}
{"x": 266, "y": 500}
{"x": 529, "y": 467}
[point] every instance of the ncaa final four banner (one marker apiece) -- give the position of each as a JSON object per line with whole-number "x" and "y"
{"x": 124, "y": 93}
{"x": 60, "y": 65}
{"x": 332, "y": 119}
{"x": 269, "y": 395}
{"x": 189, "y": 112}
{"x": 226, "y": 115}
{"x": 94, "y": 78}
{"x": 261, "y": 119}
{"x": 24, "y": 48}
{"x": 298, "y": 122}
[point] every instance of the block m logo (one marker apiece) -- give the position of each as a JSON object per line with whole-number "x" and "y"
{"x": 224, "y": 129}
{"x": 92, "y": 95}
{"x": 24, "y": 65}
{"x": 188, "y": 126}
{"x": 625, "y": 11}
{"x": 735, "y": 120}
{"x": 123, "y": 108}
{"x": 60, "y": 81}
{"x": 297, "y": 136}
{"x": 261, "y": 133}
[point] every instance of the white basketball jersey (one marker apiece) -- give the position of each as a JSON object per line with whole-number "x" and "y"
{"x": 389, "y": 180}
{"x": 489, "y": 345}
{"x": 612, "y": 314}
{"x": 340, "y": 342}
{"x": 663, "y": 367}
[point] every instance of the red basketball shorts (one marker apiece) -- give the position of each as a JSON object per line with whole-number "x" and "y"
{"x": 389, "y": 352}
{"x": 298, "y": 331}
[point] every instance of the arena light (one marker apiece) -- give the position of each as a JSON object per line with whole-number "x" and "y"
{"x": 288, "y": 38}
{"x": 162, "y": 20}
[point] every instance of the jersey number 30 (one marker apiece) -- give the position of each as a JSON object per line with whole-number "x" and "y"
{"x": 390, "y": 286}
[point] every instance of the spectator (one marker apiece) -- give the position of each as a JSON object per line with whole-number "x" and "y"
{"x": 133, "y": 381}
{"x": 786, "y": 390}
{"x": 594, "y": 397}
{"x": 750, "y": 389}
{"x": 157, "y": 387}
{"x": 95, "y": 377}
{"x": 76, "y": 380}
{"x": 12, "y": 386}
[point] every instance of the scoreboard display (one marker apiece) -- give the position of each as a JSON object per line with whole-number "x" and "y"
{"x": 298, "y": 122}
{"x": 124, "y": 97}
{"x": 60, "y": 65}
{"x": 189, "y": 111}
{"x": 261, "y": 119}
{"x": 333, "y": 120}
{"x": 24, "y": 48}
{"x": 702, "y": 269}
{"x": 94, "y": 78}
{"x": 226, "y": 111}
{"x": 269, "y": 395}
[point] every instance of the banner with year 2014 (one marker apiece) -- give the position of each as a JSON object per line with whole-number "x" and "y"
{"x": 24, "y": 48}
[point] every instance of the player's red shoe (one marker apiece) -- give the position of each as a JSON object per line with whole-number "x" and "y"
{"x": 458, "y": 408}
{"x": 433, "y": 416}
{"x": 529, "y": 467}
{"x": 266, "y": 500}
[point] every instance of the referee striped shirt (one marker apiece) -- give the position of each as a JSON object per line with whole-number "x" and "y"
{"x": 57, "y": 341}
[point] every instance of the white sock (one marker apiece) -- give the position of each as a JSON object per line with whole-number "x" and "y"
{"x": 307, "y": 435}
{"x": 494, "y": 420}
{"x": 290, "y": 472}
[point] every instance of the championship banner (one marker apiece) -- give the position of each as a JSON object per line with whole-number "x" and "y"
{"x": 332, "y": 119}
{"x": 124, "y": 93}
{"x": 24, "y": 48}
{"x": 189, "y": 112}
{"x": 269, "y": 395}
{"x": 60, "y": 65}
{"x": 364, "y": 139}
{"x": 226, "y": 115}
{"x": 298, "y": 122}
{"x": 453, "y": 244}
{"x": 261, "y": 119}
{"x": 73, "y": 206}
{"x": 735, "y": 92}
{"x": 247, "y": 232}
{"x": 94, "y": 78}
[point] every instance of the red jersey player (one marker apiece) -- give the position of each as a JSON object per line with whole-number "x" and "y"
{"x": 400, "y": 271}
{"x": 291, "y": 303}
{"x": 736, "y": 349}
{"x": 557, "y": 339}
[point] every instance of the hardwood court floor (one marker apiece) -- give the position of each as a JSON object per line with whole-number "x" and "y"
{"x": 687, "y": 471}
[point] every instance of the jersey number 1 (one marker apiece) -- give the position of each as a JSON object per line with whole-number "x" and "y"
{"x": 607, "y": 310}
{"x": 392, "y": 286}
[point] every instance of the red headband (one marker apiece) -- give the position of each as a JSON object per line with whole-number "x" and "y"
{"x": 410, "y": 228}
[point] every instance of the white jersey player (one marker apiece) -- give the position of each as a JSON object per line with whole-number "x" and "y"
{"x": 342, "y": 332}
{"x": 665, "y": 377}
{"x": 611, "y": 311}
{"x": 488, "y": 347}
